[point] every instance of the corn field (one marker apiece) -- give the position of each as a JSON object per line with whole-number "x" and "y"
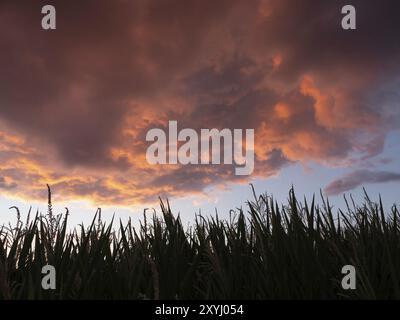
{"x": 265, "y": 251}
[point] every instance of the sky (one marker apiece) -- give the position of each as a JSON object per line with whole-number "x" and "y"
{"x": 76, "y": 102}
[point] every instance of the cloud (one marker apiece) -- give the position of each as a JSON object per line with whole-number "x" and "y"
{"x": 5, "y": 185}
{"x": 79, "y": 100}
{"x": 358, "y": 178}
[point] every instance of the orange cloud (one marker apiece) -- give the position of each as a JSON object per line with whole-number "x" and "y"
{"x": 80, "y": 100}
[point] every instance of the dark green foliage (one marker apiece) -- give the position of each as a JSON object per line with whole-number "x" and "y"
{"x": 268, "y": 252}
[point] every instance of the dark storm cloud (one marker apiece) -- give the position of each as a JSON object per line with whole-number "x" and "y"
{"x": 72, "y": 87}
{"x": 286, "y": 68}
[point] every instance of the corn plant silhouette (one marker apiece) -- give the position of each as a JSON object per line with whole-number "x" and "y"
{"x": 265, "y": 251}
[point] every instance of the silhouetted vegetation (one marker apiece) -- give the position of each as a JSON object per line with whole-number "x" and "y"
{"x": 269, "y": 251}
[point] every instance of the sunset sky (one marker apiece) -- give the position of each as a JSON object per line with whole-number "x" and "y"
{"x": 76, "y": 102}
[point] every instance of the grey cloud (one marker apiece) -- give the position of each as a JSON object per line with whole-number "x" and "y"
{"x": 358, "y": 178}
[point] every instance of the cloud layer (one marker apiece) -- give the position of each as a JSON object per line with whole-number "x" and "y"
{"x": 358, "y": 178}
{"x": 76, "y": 103}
